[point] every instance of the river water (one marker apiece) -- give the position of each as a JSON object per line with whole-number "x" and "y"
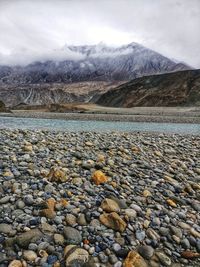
{"x": 97, "y": 126}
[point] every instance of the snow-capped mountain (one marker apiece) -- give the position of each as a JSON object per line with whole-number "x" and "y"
{"x": 91, "y": 63}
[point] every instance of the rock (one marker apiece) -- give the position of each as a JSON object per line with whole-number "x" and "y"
{"x": 147, "y": 193}
{"x": 28, "y": 148}
{"x": 72, "y": 235}
{"x": 176, "y": 231}
{"x": 152, "y": 234}
{"x": 75, "y": 256}
{"x": 57, "y": 175}
{"x": 81, "y": 220}
{"x": 29, "y": 255}
{"x": 15, "y": 263}
{"x": 47, "y": 228}
{"x": 185, "y": 243}
{"x": 190, "y": 254}
{"x": 146, "y": 251}
{"x": 130, "y": 213}
{"x": 109, "y": 205}
{"x": 140, "y": 235}
{"x": 70, "y": 219}
{"x": 113, "y": 220}
{"x": 59, "y": 239}
{"x": 195, "y": 233}
{"x": 163, "y": 258}
{"x": 134, "y": 260}
{"x": 49, "y": 212}
{"x": 5, "y": 200}
{"x": 5, "y": 228}
{"x": 98, "y": 177}
{"x": 31, "y": 236}
{"x": 171, "y": 203}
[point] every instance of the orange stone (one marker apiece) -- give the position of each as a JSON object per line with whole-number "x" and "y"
{"x": 171, "y": 203}
{"x": 51, "y": 203}
{"x": 134, "y": 260}
{"x": 99, "y": 177}
{"x": 63, "y": 202}
{"x": 48, "y": 213}
{"x": 113, "y": 220}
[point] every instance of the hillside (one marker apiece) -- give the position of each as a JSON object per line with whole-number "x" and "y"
{"x": 86, "y": 73}
{"x": 172, "y": 89}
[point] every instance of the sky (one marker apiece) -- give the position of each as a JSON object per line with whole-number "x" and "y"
{"x": 33, "y": 30}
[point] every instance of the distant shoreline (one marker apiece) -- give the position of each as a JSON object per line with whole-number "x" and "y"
{"x": 141, "y": 116}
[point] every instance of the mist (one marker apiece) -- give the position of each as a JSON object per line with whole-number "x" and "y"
{"x": 38, "y": 30}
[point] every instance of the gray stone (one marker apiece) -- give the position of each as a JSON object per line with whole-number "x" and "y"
{"x": 146, "y": 251}
{"x": 72, "y": 236}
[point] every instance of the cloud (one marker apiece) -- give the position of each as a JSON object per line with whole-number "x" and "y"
{"x": 37, "y": 30}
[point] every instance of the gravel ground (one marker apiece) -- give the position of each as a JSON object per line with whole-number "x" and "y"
{"x": 95, "y": 199}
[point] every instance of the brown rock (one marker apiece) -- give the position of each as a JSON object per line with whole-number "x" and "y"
{"x": 109, "y": 205}
{"x": 113, "y": 220}
{"x": 56, "y": 175}
{"x": 188, "y": 254}
{"x": 99, "y": 177}
{"x": 134, "y": 260}
{"x": 49, "y": 212}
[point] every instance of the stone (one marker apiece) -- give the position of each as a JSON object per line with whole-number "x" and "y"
{"x": 110, "y": 205}
{"x": 59, "y": 239}
{"x": 190, "y": 254}
{"x": 5, "y": 228}
{"x": 31, "y": 236}
{"x": 57, "y": 175}
{"x": 195, "y": 233}
{"x": 70, "y": 219}
{"x": 75, "y": 256}
{"x": 15, "y": 263}
{"x": 113, "y": 220}
{"x": 49, "y": 212}
{"x": 164, "y": 259}
{"x": 5, "y": 200}
{"x": 146, "y": 252}
{"x": 130, "y": 213}
{"x": 134, "y": 260}
{"x": 176, "y": 231}
{"x": 171, "y": 203}
{"x": 140, "y": 235}
{"x": 28, "y": 148}
{"x": 72, "y": 235}
{"x": 29, "y": 255}
{"x": 98, "y": 177}
{"x": 147, "y": 193}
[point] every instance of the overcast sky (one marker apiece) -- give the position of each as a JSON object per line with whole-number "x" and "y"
{"x": 35, "y": 29}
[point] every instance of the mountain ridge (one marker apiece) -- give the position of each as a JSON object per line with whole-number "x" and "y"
{"x": 180, "y": 88}
{"x": 98, "y": 63}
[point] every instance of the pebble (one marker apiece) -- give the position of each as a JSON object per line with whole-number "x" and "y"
{"x": 101, "y": 194}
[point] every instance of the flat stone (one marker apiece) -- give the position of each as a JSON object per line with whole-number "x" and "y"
{"x": 113, "y": 220}
{"x": 146, "y": 251}
{"x": 5, "y": 228}
{"x": 24, "y": 239}
{"x": 109, "y": 205}
{"x": 72, "y": 235}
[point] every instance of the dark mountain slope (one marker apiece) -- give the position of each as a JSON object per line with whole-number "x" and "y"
{"x": 173, "y": 89}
